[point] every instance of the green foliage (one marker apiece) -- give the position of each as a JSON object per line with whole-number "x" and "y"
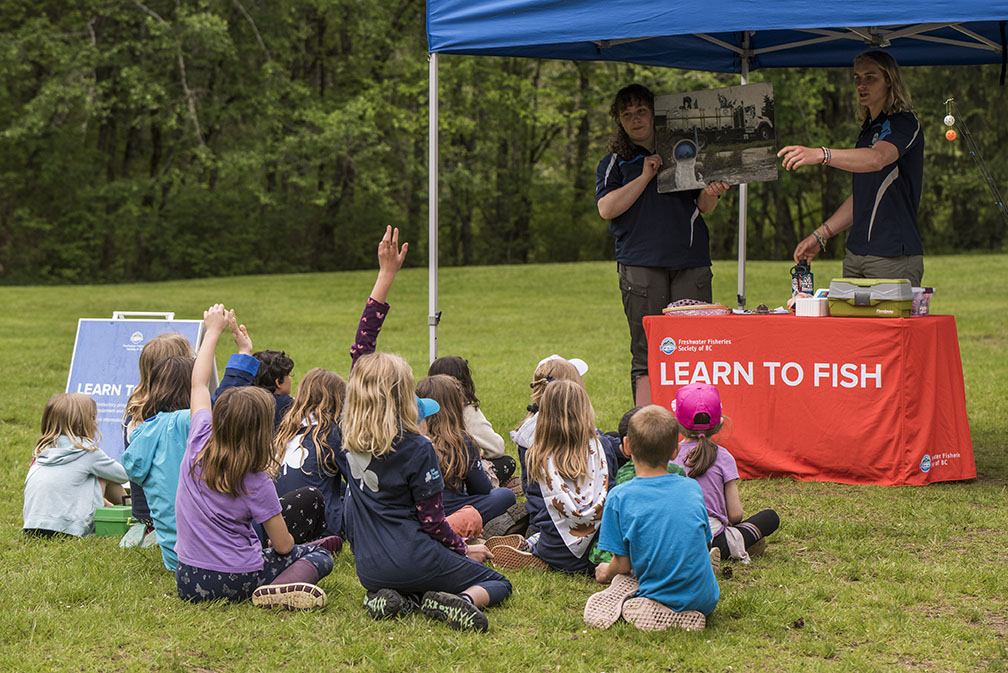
{"x": 180, "y": 138}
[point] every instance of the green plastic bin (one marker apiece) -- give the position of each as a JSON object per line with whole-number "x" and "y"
{"x": 113, "y": 521}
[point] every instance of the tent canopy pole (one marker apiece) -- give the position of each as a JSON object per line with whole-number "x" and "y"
{"x": 433, "y": 315}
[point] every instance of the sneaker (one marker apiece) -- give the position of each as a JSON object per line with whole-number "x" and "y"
{"x": 498, "y": 526}
{"x": 454, "y": 611}
{"x": 649, "y": 615}
{"x": 134, "y": 536}
{"x": 510, "y": 558}
{"x": 715, "y": 559}
{"x": 603, "y": 609}
{"x": 294, "y": 596}
{"x": 516, "y": 541}
{"x": 757, "y": 547}
{"x": 387, "y": 603}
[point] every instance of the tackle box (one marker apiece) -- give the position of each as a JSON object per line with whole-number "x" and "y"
{"x": 113, "y": 521}
{"x": 870, "y": 297}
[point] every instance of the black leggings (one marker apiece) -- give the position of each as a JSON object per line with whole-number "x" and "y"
{"x": 753, "y": 529}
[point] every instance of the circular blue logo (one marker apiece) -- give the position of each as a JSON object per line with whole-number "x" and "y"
{"x": 668, "y": 346}
{"x": 925, "y": 464}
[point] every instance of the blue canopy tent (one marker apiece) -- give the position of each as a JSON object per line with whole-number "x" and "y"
{"x": 729, "y": 36}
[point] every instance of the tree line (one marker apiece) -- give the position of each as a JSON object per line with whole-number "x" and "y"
{"x": 146, "y": 140}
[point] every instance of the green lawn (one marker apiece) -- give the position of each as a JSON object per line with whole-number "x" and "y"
{"x": 858, "y": 578}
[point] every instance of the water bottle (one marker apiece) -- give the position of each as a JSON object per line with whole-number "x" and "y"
{"x": 801, "y": 278}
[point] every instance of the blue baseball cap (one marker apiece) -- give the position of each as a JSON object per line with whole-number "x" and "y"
{"x": 426, "y": 407}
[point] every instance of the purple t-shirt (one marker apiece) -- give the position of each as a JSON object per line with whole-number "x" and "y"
{"x": 215, "y": 529}
{"x": 712, "y": 481}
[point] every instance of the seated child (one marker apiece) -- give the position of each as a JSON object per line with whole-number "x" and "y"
{"x": 656, "y": 526}
{"x": 466, "y": 484}
{"x": 499, "y": 466}
{"x": 569, "y": 468}
{"x": 223, "y": 488}
{"x": 552, "y": 368}
{"x": 70, "y": 477}
{"x": 157, "y": 445}
{"x": 161, "y": 347}
{"x": 625, "y": 473}
{"x": 405, "y": 553}
{"x": 698, "y": 409}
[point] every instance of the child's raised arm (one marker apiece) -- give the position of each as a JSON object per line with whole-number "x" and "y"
{"x": 390, "y": 260}
{"x": 215, "y": 321}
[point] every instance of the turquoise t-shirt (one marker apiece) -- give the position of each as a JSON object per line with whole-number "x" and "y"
{"x": 661, "y": 524}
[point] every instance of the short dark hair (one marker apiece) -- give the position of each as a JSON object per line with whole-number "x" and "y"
{"x": 654, "y": 436}
{"x": 624, "y": 423}
{"x": 273, "y": 366}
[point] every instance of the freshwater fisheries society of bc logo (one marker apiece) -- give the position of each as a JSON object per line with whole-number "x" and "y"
{"x": 925, "y": 464}
{"x": 668, "y": 346}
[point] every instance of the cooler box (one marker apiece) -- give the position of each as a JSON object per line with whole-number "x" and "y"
{"x": 112, "y": 521}
{"x": 870, "y": 297}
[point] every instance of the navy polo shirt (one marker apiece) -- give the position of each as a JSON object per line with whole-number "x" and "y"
{"x": 659, "y": 230}
{"x": 885, "y": 201}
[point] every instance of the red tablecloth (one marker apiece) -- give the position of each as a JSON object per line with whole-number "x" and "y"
{"x": 850, "y": 400}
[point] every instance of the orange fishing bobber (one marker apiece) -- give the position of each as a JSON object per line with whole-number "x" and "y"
{"x": 950, "y": 134}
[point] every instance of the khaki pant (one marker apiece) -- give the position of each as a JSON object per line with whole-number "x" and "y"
{"x": 910, "y": 267}
{"x": 646, "y": 291}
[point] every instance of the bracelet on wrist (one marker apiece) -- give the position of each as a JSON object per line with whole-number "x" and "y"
{"x": 825, "y": 155}
{"x": 828, "y": 230}
{"x": 819, "y": 239}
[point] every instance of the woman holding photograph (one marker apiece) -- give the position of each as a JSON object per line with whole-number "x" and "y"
{"x": 887, "y": 164}
{"x": 662, "y": 242}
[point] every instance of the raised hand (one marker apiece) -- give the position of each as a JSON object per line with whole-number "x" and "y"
{"x": 243, "y": 342}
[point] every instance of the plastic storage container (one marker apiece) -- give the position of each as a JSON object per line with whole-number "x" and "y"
{"x": 870, "y": 297}
{"x": 112, "y": 521}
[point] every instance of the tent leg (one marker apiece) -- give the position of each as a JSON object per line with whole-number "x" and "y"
{"x": 433, "y": 315}
{"x": 743, "y": 204}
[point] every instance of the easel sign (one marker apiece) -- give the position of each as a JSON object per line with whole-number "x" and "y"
{"x": 105, "y": 363}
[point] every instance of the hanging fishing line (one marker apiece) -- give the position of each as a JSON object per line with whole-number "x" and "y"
{"x": 953, "y": 117}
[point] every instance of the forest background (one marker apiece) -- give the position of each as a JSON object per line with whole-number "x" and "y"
{"x": 184, "y": 138}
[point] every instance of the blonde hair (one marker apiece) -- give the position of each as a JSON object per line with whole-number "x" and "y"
{"x": 72, "y": 414}
{"x": 161, "y": 347}
{"x": 565, "y": 426}
{"x": 241, "y": 439}
{"x": 320, "y": 398}
{"x": 380, "y": 404}
{"x": 555, "y": 369}
{"x": 446, "y": 428}
{"x": 898, "y": 99}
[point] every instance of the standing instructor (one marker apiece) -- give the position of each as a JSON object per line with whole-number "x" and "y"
{"x": 662, "y": 242}
{"x": 887, "y": 164}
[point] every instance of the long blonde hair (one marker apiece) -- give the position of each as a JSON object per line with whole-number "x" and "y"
{"x": 317, "y": 405}
{"x": 380, "y": 404}
{"x": 72, "y": 414}
{"x": 446, "y": 429}
{"x": 555, "y": 369}
{"x": 898, "y": 99}
{"x": 241, "y": 439}
{"x": 161, "y": 347}
{"x": 565, "y": 426}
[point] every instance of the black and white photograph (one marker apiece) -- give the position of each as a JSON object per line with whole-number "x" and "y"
{"x": 725, "y": 134}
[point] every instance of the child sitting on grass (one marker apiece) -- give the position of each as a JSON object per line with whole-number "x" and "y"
{"x": 625, "y": 473}
{"x": 656, "y": 527}
{"x": 70, "y": 477}
{"x": 698, "y": 409}
{"x": 499, "y": 466}
{"x": 223, "y": 488}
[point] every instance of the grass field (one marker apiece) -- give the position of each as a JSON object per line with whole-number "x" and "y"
{"x": 858, "y": 578}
